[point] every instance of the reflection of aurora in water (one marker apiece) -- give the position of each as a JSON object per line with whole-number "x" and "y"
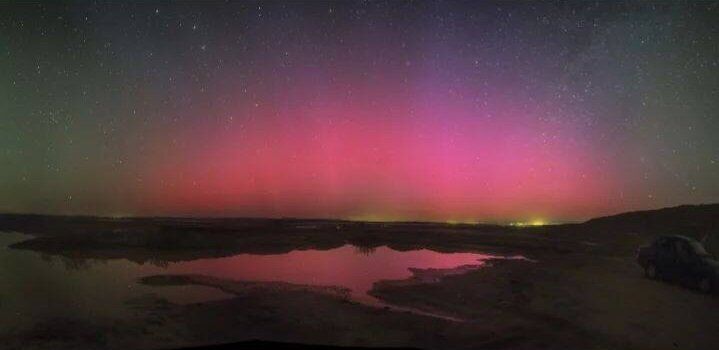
{"x": 356, "y": 268}
{"x": 39, "y": 287}
{"x": 365, "y": 250}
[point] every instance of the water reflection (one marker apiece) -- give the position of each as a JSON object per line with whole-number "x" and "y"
{"x": 364, "y": 250}
{"x": 348, "y": 266}
{"x": 35, "y": 287}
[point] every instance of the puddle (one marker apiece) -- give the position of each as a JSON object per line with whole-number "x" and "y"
{"x": 35, "y": 287}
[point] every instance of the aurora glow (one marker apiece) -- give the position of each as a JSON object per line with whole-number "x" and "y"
{"x": 451, "y": 111}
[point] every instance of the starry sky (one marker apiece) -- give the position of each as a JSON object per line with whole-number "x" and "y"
{"x": 422, "y": 110}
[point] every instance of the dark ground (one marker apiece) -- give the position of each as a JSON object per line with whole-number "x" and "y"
{"x": 583, "y": 288}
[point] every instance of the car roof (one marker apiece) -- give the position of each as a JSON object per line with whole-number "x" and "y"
{"x": 678, "y": 237}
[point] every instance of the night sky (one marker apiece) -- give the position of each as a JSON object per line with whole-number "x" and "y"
{"x": 427, "y": 110}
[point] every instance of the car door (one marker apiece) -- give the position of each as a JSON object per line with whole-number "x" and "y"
{"x": 666, "y": 258}
{"x": 684, "y": 269}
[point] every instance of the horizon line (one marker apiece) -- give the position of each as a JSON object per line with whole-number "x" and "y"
{"x": 447, "y": 222}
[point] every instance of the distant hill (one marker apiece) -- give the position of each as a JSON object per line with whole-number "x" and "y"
{"x": 698, "y": 221}
{"x": 617, "y": 234}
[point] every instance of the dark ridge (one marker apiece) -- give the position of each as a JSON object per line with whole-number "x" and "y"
{"x": 52, "y": 225}
{"x": 177, "y": 239}
{"x": 691, "y": 220}
{"x": 259, "y": 344}
{"x": 700, "y": 222}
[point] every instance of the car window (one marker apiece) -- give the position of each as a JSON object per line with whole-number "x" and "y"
{"x": 666, "y": 245}
{"x": 684, "y": 253}
{"x": 698, "y": 249}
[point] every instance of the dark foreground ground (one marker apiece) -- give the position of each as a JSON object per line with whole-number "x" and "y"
{"x": 582, "y": 289}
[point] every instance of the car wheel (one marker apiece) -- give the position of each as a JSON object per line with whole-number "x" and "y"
{"x": 705, "y": 285}
{"x": 651, "y": 271}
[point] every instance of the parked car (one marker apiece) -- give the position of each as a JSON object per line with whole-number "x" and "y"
{"x": 680, "y": 259}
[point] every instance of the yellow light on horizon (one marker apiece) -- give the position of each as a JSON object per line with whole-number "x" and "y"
{"x": 535, "y": 222}
{"x": 461, "y": 222}
{"x": 538, "y": 222}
